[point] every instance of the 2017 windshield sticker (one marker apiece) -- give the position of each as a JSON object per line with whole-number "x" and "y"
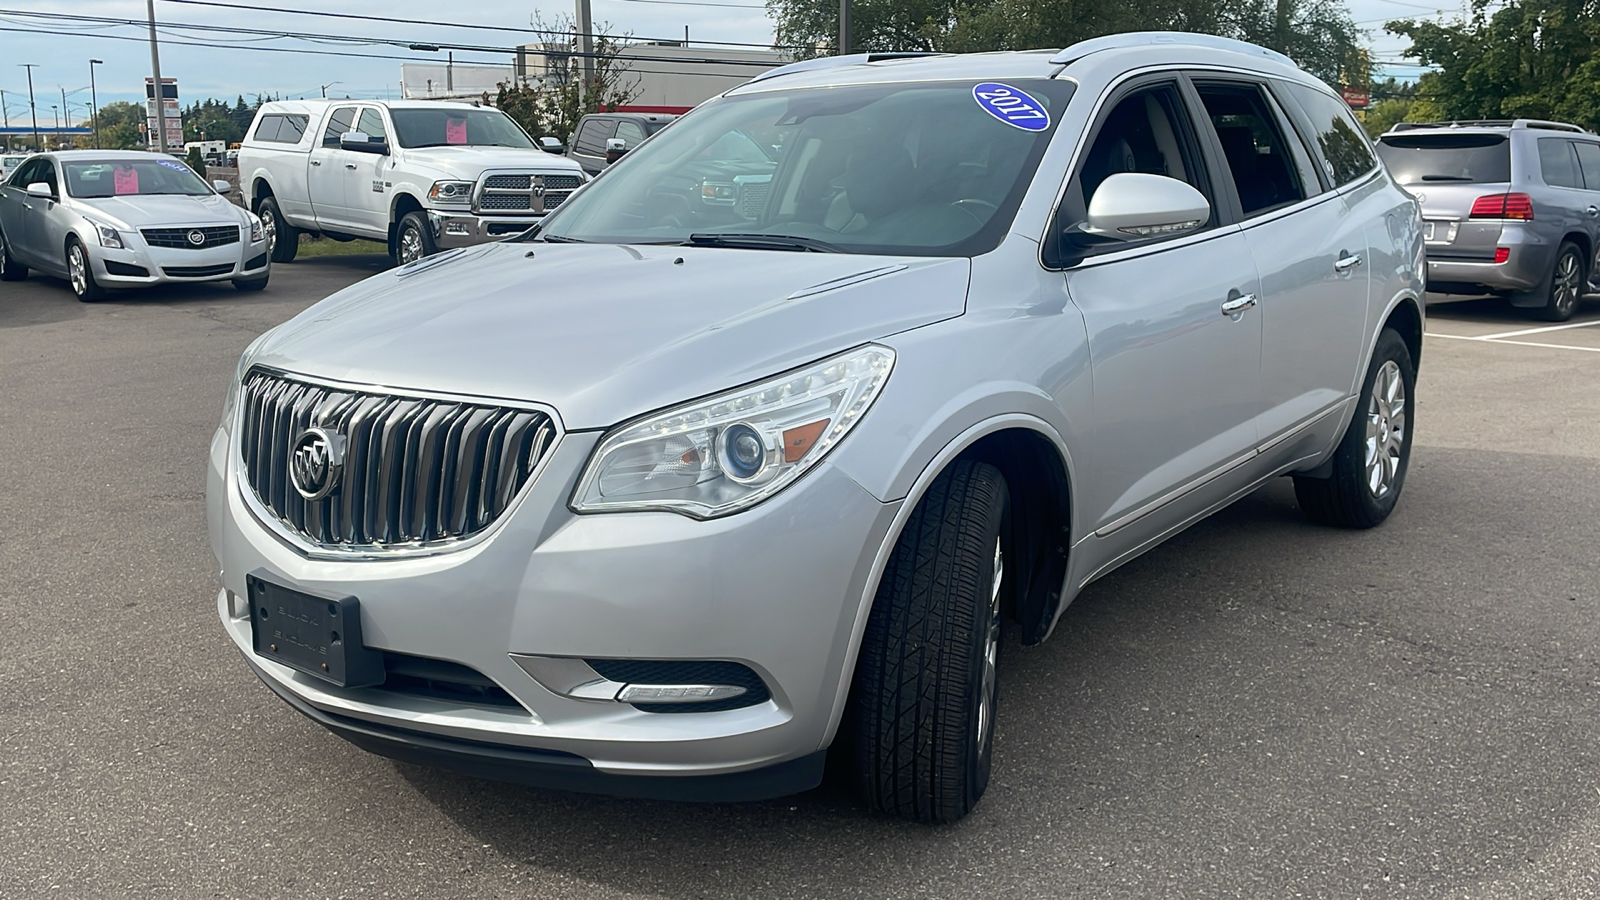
{"x": 1011, "y": 106}
{"x": 172, "y": 165}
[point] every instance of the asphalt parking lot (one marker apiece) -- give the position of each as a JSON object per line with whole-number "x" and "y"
{"x": 1261, "y": 708}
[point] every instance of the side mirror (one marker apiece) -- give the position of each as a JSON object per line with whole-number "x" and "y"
{"x": 41, "y": 190}
{"x": 222, "y": 187}
{"x": 1132, "y": 206}
{"x": 361, "y": 142}
{"x": 615, "y": 147}
{"x": 551, "y": 145}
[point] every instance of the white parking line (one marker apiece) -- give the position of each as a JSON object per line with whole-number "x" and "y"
{"x": 1492, "y": 340}
{"x": 1540, "y": 330}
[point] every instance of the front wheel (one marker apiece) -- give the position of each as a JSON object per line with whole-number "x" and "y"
{"x": 81, "y": 274}
{"x": 283, "y": 239}
{"x": 413, "y": 239}
{"x": 10, "y": 269}
{"x": 920, "y": 724}
{"x": 1369, "y": 467}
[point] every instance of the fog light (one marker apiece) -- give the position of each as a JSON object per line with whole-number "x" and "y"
{"x": 456, "y": 228}
{"x": 678, "y": 693}
{"x": 1501, "y": 254}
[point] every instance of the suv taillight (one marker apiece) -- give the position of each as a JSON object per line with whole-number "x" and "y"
{"x": 1503, "y": 206}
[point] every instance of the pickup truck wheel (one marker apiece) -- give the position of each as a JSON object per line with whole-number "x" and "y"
{"x": 10, "y": 269}
{"x": 1369, "y": 468}
{"x": 283, "y": 239}
{"x": 81, "y": 274}
{"x": 920, "y": 725}
{"x": 413, "y": 239}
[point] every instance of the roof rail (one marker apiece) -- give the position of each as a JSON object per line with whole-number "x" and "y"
{"x": 829, "y": 62}
{"x": 1490, "y": 123}
{"x": 1179, "y": 38}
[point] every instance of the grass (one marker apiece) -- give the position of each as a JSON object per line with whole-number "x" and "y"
{"x": 321, "y": 246}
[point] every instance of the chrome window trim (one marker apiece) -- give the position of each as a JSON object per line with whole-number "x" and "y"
{"x": 310, "y": 550}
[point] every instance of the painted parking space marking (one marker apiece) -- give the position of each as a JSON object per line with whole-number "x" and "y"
{"x": 1484, "y": 340}
{"x": 1540, "y": 330}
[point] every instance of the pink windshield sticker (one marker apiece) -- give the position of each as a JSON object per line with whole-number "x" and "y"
{"x": 125, "y": 180}
{"x": 455, "y": 131}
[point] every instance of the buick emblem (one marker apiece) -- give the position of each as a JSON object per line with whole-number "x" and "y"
{"x": 315, "y": 460}
{"x": 197, "y": 238}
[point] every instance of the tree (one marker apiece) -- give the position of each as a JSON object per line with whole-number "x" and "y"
{"x": 554, "y": 104}
{"x": 1316, "y": 33}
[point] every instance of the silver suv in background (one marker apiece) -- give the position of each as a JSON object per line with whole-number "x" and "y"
{"x": 673, "y": 499}
{"x": 1509, "y": 207}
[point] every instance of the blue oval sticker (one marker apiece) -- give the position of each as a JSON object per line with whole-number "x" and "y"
{"x": 1011, "y": 106}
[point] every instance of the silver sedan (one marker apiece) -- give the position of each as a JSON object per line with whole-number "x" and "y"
{"x": 112, "y": 219}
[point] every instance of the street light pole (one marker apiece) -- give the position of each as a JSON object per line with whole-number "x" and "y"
{"x": 65, "y": 109}
{"x": 155, "y": 69}
{"x": 844, "y": 27}
{"x": 329, "y": 85}
{"x": 32, "y": 109}
{"x": 94, "y": 102}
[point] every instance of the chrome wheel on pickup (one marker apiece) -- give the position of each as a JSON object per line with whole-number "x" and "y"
{"x": 413, "y": 240}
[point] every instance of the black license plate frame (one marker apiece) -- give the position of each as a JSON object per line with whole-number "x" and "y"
{"x": 317, "y": 635}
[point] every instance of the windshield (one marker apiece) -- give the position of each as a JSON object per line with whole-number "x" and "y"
{"x": 454, "y": 126}
{"x": 1446, "y": 158}
{"x": 91, "y": 179}
{"x": 917, "y": 169}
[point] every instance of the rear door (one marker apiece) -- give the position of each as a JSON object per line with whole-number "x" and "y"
{"x": 325, "y": 179}
{"x": 1589, "y": 168}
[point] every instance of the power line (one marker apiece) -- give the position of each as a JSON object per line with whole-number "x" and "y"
{"x": 699, "y": 3}
{"x": 478, "y": 27}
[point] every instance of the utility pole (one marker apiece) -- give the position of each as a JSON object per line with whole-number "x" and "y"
{"x": 66, "y": 111}
{"x": 32, "y": 109}
{"x": 844, "y": 27}
{"x": 450, "y": 74}
{"x": 155, "y": 69}
{"x": 6, "y": 113}
{"x": 94, "y": 102}
{"x": 586, "y": 55}
{"x": 1280, "y": 29}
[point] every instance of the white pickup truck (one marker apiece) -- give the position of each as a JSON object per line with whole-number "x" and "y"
{"x": 421, "y": 176}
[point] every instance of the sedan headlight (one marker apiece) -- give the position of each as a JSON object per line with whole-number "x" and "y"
{"x": 451, "y": 193}
{"x": 728, "y": 453}
{"x": 257, "y": 233}
{"x": 108, "y": 235}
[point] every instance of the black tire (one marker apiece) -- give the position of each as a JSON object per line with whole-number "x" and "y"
{"x": 283, "y": 239}
{"x": 1346, "y": 498}
{"x": 10, "y": 269}
{"x": 917, "y": 746}
{"x": 413, "y": 239}
{"x": 1563, "y": 289}
{"x": 80, "y": 274}
{"x": 250, "y": 284}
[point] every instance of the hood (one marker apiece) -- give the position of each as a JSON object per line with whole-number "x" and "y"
{"x": 468, "y": 162}
{"x": 158, "y": 210}
{"x": 603, "y": 332}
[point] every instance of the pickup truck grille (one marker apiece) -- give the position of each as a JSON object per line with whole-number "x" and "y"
{"x": 525, "y": 192}
{"x": 401, "y": 473}
{"x": 183, "y": 238}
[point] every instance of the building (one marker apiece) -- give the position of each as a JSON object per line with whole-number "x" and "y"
{"x": 449, "y": 81}
{"x": 666, "y": 77}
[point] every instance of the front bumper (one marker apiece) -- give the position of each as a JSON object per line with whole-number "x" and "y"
{"x": 121, "y": 267}
{"x": 778, "y": 588}
{"x": 463, "y": 229}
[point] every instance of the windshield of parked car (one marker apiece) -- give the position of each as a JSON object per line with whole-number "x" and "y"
{"x": 450, "y": 126}
{"x": 927, "y": 169}
{"x": 92, "y": 179}
{"x": 1446, "y": 158}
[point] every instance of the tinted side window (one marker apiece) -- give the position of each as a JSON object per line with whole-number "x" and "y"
{"x": 46, "y": 172}
{"x": 1345, "y": 151}
{"x": 342, "y": 120}
{"x": 293, "y": 129}
{"x": 267, "y": 128}
{"x": 23, "y": 177}
{"x": 1558, "y": 164}
{"x": 372, "y": 124}
{"x": 630, "y": 132}
{"x": 1589, "y": 163}
{"x": 591, "y": 140}
{"x": 1253, "y": 143}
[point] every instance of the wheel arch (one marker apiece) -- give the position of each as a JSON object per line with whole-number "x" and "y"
{"x": 260, "y": 189}
{"x": 404, "y": 203}
{"x": 1406, "y": 318}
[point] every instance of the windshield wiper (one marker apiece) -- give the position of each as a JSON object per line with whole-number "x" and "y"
{"x": 763, "y": 242}
{"x": 560, "y": 239}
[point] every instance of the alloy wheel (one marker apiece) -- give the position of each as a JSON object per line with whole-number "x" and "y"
{"x": 269, "y": 227}
{"x": 410, "y": 246}
{"x": 78, "y": 270}
{"x": 1386, "y": 429}
{"x": 1566, "y": 287}
{"x": 989, "y": 695}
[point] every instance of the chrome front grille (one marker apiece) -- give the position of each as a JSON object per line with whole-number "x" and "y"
{"x": 524, "y": 192}
{"x": 413, "y": 473}
{"x": 182, "y": 238}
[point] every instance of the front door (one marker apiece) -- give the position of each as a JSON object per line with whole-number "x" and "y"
{"x": 326, "y": 178}
{"x": 15, "y": 209}
{"x": 365, "y": 188}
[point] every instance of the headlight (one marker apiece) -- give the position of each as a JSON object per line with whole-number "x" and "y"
{"x": 108, "y": 235}
{"x": 728, "y": 453}
{"x": 451, "y": 193}
{"x": 256, "y": 233}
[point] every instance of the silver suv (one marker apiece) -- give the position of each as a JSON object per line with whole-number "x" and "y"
{"x": 674, "y": 499}
{"x": 1508, "y": 207}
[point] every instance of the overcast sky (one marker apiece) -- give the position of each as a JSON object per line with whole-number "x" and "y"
{"x": 227, "y": 72}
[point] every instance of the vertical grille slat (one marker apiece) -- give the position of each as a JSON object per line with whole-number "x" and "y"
{"x": 415, "y": 473}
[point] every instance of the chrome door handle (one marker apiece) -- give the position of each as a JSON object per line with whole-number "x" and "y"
{"x": 1235, "y": 305}
{"x": 1346, "y": 263}
{"x": 350, "y": 166}
{"x": 316, "y": 162}
{"x": 1594, "y": 210}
